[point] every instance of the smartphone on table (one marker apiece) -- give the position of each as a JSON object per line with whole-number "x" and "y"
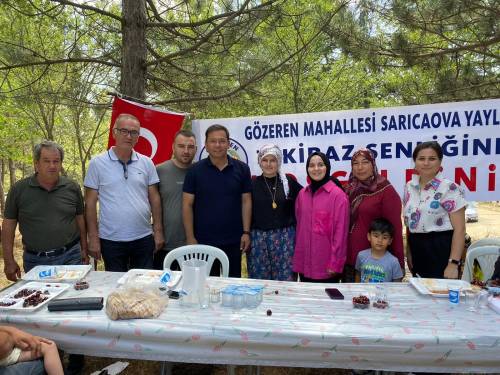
{"x": 334, "y": 293}
{"x": 172, "y": 294}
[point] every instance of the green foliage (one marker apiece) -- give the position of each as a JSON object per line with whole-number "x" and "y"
{"x": 213, "y": 58}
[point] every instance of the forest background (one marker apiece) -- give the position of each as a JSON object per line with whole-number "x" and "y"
{"x": 60, "y": 59}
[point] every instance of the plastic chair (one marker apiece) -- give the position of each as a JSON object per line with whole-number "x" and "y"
{"x": 203, "y": 252}
{"x": 488, "y": 241}
{"x": 486, "y": 257}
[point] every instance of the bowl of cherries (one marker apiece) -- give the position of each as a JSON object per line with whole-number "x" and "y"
{"x": 361, "y": 302}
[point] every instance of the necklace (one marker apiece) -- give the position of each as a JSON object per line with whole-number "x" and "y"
{"x": 273, "y": 194}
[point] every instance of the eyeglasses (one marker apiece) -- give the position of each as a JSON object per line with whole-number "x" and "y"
{"x": 125, "y": 132}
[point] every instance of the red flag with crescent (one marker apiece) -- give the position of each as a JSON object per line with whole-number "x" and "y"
{"x": 158, "y": 128}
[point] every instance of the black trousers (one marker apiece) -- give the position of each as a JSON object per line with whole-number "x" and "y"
{"x": 233, "y": 252}
{"x": 430, "y": 253}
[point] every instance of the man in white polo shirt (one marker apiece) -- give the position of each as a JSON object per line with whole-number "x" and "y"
{"x": 125, "y": 184}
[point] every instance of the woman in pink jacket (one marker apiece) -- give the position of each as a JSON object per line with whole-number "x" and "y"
{"x": 322, "y": 211}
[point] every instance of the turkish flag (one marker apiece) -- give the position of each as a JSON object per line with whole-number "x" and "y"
{"x": 158, "y": 128}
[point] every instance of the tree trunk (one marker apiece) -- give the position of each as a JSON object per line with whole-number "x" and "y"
{"x": 12, "y": 172}
{"x": 133, "y": 79}
{"x": 2, "y": 193}
{"x": 23, "y": 170}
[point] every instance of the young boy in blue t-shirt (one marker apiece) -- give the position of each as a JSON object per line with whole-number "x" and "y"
{"x": 377, "y": 265}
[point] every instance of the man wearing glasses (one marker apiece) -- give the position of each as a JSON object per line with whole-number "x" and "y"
{"x": 125, "y": 184}
{"x": 172, "y": 174}
{"x": 217, "y": 202}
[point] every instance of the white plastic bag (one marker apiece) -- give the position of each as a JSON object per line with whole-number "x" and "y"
{"x": 134, "y": 303}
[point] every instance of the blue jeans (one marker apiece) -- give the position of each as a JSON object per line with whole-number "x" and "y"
{"x": 24, "y": 368}
{"x": 121, "y": 256}
{"x": 30, "y": 260}
{"x": 72, "y": 256}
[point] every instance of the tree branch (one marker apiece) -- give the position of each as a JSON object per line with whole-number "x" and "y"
{"x": 259, "y": 76}
{"x": 210, "y": 20}
{"x": 445, "y": 51}
{"x": 465, "y": 88}
{"x": 166, "y": 83}
{"x": 88, "y": 7}
{"x": 202, "y": 40}
{"x": 60, "y": 61}
{"x": 154, "y": 10}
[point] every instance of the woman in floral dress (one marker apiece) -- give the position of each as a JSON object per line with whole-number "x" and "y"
{"x": 273, "y": 219}
{"x": 434, "y": 214}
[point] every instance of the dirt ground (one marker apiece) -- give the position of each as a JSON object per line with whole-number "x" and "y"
{"x": 487, "y": 226}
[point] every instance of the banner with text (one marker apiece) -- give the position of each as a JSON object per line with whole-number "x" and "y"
{"x": 469, "y": 133}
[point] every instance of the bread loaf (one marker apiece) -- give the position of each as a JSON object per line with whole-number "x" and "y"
{"x": 134, "y": 304}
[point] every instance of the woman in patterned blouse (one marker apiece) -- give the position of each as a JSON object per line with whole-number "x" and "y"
{"x": 434, "y": 214}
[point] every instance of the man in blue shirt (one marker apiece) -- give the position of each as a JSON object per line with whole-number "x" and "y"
{"x": 217, "y": 203}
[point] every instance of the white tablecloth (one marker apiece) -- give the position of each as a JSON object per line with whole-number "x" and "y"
{"x": 306, "y": 329}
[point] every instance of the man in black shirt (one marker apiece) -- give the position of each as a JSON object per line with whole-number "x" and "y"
{"x": 216, "y": 202}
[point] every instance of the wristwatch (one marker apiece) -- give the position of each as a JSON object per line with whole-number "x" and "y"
{"x": 457, "y": 262}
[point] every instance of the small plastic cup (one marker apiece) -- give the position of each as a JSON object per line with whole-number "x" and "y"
{"x": 204, "y": 297}
{"x": 214, "y": 295}
{"x": 482, "y": 299}
{"x": 252, "y": 299}
{"x": 471, "y": 300}
{"x": 380, "y": 293}
{"x": 227, "y": 298}
{"x": 238, "y": 300}
{"x": 454, "y": 295}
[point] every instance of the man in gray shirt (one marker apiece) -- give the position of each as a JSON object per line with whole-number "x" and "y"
{"x": 171, "y": 174}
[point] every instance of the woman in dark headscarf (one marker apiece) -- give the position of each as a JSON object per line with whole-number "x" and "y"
{"x": 322, "y": 211}
{"x": 371, "y": 196}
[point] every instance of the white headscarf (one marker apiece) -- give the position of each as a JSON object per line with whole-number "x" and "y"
{"x": 274, "y": 150}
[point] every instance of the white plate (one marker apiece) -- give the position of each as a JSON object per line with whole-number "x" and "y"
{"x": 143, "y": 276}
{"x": 50, "y": 290}
{"x": 493, "y": 289}
{"x": 437, "y": 287}
{"x": 60, "y": 274}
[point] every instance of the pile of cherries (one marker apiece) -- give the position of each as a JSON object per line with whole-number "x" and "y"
{"x": 9, "y": 303}
{"x": 81, "y": 285}
{"x": 24, "y": 293}
{"x": 35, "y": 299}
{"x": 381, "y": 304}
{"x": 478, "y": 283}
{"x": 361, "y": 302}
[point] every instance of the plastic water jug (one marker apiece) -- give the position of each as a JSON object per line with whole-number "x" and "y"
{"x": 194, "y": 276}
